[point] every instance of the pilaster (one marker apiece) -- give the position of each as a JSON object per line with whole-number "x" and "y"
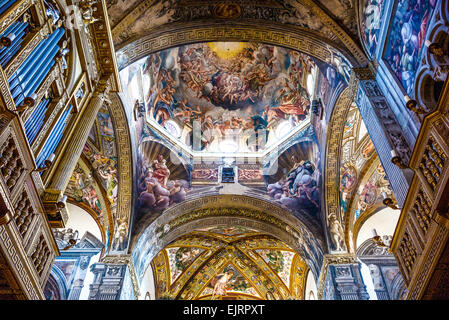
{"x": 115, "y": 278}
{"x": 341, "y": 279}
{"x": 385, "y": 132}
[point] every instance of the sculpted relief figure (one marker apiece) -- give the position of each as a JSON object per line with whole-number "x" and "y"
{"x": 121, "y": 234}
{"x": 337, "y": 233}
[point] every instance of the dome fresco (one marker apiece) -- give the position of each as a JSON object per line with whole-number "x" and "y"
{"x": 197, "y": 107}
{"x": 240, "y": 97}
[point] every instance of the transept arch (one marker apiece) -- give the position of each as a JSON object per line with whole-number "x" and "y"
{"x": 235, "y": 210}
{"x": 300, "y": 40}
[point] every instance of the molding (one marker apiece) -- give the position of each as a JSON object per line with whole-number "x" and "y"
{"x": 125, "y": 259}
{"x": 332, "y": 155}
{"x": 347, "y": 40}
{"x": 177, "y": 34}
{"x": 124, "y": 165}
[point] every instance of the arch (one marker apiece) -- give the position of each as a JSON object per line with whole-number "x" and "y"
{"x": 332, "y": 164}
{"x": 92, "y": 213}
{"x": 433, "y": 70}
{"x": 86, "y": 167}
{"x": 177, "y": 34}
{"x": 209, "y": 252}
{"x": 125, "y": 170}
{"x": 56, "y": 286}
{"x": 247, "y": 211}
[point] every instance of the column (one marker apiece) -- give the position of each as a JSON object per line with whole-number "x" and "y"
{"x": 71, "y": 154}
{"x": 75, "y": 291}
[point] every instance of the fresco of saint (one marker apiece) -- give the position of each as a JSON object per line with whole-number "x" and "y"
{"x": 298, "y": 188}
{"x": 157, "y": 191}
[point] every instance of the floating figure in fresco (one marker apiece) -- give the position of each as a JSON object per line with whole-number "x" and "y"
{"x": 187, "y": 113}
{"x": 157, "y": 192}
{"x": 406, "y": 38}
{"x": 177, "y": 191}
{"x": 371, "y": 24}
{"x": 161, "y": 172}
{"x": 270, "y": 114}
{"x": 220, "y": 283}
{"x": 275, "y": 190}
{"x": 298, "y": 188}
{"x": 109, "y": 175}
{"x": 162, "y": 109}
{"x": 368, "y": 197}
{"x": 348, "y": 176}
{"x": 292, "y": 103}
{"x": 90, "y": 196}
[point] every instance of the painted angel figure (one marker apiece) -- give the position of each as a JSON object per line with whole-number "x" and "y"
{"x": 221, "y": 283}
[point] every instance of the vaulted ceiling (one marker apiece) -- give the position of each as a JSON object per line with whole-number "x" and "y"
{"x": 330, "y": 21}
{"x": 229, "y": 263}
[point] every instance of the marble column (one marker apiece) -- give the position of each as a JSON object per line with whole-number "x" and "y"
{"x": 81, "y": 131}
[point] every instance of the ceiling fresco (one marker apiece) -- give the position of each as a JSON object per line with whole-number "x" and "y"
{"x": 94, "y": 181}
{"x": 83, "y": 188}
{"x": 131, "y": 20}
{"x": 370, "y": 22}
{"x": 240, "y": 97}
{"x": 405, "y": 41}
{"x": 196, "y": 105}
{"x": 212, "y": 266}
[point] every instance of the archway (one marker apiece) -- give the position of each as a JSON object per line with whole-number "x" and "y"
{"x": 231, "y": 210}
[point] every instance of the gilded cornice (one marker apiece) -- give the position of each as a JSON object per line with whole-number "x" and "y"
{"x": 125, "y": 172}
{"x": 261, "y": 210}
{"x": 176, "y": 34}
{"x": 104, "y": 46}
{"x": 356, "y": 56}
{"x": 333, "y": 152}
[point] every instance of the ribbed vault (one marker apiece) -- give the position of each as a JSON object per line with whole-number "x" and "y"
{"x": 228, "y": 263}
